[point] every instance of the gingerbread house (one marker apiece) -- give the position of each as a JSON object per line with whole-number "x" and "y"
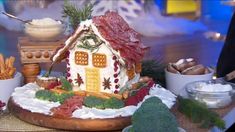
{"x": 103, "y": 54}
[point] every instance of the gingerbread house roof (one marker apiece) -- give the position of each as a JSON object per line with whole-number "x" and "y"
{"x": 113, "y": 28}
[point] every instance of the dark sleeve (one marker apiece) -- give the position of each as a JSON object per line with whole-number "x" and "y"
{"x": 226, "y": 61}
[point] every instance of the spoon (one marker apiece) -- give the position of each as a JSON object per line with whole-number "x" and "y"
{"x": 227, "y": 77}
{"x": 47, "y": 74}
{"x": 14, "y": 17}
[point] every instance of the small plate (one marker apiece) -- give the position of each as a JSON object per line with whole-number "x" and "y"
{"x": 126, "y": 129}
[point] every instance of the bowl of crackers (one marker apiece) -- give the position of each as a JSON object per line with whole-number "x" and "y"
{"x": 9, "y": 78}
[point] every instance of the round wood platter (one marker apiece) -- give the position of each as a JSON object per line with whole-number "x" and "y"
{"x": 39, "y": 119}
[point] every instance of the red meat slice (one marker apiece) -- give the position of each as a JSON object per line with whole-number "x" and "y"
{"x": 68, "y": 107}
{"x": 121, "y": 37}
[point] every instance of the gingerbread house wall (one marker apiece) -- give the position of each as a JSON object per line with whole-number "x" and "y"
{"x": 108, "y": 72}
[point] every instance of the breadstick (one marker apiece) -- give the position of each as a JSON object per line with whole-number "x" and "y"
{"x": 12, "y": 60}
{"x": 7, "y": 62}
{"x": 11, "y": 72}
{"x": 2, "y": 68}
{"x": 2, "y": 64}
{"x": 80, "y": 93}
{"x": 118, "y": 96}
{"x": 7, "y": 68}
{"x": 99, "y": 95}
{"x": 1, "y": 59}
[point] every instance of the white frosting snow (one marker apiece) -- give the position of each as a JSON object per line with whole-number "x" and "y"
{"x": 25, "y": 97}
{"x": 181, "y": 61}
{"x": 93, "y": 113}
{"x": 213, "y": 87}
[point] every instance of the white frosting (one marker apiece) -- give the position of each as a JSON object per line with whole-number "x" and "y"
{"x": 84, "y": 26}
{"x": 106, "y": 72}
{"x": 67, "y": 42}
{"x": 25, "y": 97}
{"x": 46, "y": 78}
{"x": 213, "y": 87}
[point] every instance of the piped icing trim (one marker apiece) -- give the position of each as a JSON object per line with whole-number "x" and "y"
{"x": 84, "y": 25}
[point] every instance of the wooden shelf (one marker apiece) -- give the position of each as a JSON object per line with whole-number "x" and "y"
{"x": 37, "y": 51}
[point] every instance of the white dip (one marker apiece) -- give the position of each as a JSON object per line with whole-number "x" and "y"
{"x": 45, "y": 21}
{"x": 213, "y": 87}
{"x": 25, "y": 97}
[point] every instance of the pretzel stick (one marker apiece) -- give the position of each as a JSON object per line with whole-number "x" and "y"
{"x": 7, "y": 62}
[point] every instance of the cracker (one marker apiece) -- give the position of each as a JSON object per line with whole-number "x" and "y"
{"x": 7, "y": 69}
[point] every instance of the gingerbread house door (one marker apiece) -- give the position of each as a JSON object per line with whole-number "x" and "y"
{"x": 92, "y": 79}
{"x": 93, "y": 74}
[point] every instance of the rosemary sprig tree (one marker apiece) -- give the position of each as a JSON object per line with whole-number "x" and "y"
{"x": 154, "y": 69}
{"x": 76, "y": 15}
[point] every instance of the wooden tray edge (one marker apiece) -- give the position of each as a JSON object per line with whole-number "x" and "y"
{"x": 68, "y": 123}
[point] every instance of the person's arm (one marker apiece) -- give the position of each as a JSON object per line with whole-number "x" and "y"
{"x": 226, "y": 61}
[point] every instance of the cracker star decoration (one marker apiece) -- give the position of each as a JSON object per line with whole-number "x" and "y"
{"x": 106, "y": 83}
{"x": 79, "y": 79}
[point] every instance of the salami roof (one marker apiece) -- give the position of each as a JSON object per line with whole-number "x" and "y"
{"x": 120, "y": 36}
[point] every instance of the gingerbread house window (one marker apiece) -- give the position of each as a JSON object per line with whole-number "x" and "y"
{"x": 81, "y": 58}
{"x": 99, "y": 60}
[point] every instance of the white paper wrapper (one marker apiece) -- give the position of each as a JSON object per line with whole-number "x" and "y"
{"x": 8, "y": 86}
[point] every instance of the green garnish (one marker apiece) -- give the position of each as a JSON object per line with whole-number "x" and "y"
{"x": 52, "y": 96}
{"x": 153, "y": 116}
{"x": 99, "y": 103}
{"x": 76, "y": 15}
{"x": 66, "y": 85}
{"x": 199, "y": 113}
{"x": 87, "y": 45}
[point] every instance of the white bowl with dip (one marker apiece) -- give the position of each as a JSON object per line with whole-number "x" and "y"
{"x": 45, "y": 29}
{"x": 7, "y": 86}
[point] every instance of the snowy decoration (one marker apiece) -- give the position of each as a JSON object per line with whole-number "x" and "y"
{"x": 132, "y": 11}
{"x": 128, "y": 9}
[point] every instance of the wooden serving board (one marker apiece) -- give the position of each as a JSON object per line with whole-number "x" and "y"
{"x": 39, "y": 119}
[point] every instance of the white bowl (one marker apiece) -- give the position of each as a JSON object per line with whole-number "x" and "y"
{"x": 176, "y": 82}
{"x": 44, "y": 32}
{"x": 8, "y": 86}
{"x": 127, "y": 129}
